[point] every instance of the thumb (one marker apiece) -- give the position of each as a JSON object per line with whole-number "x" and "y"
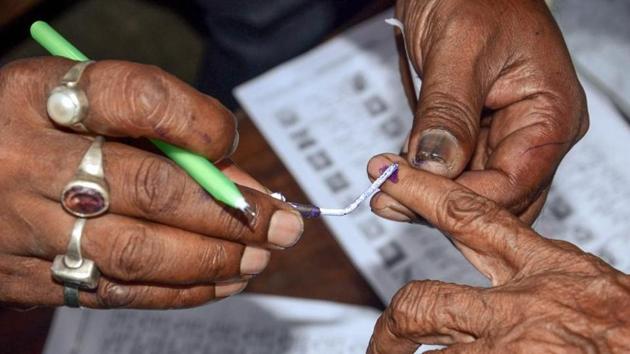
{"x": 447, "y": 117}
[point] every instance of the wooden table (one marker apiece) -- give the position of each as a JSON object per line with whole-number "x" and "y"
{"x": 315, "y": 268}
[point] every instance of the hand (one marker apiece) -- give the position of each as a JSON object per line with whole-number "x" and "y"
{"x": 164, "y": 242}
{"x": 547, "y": 296}
{"x": 500, "y": 103}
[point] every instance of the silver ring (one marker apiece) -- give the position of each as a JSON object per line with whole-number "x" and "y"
{"x": 71, "y": 268}
{"x": 71, "y": 295}
{"x": 67, "y": 103}
{"x": 87, "y": 195}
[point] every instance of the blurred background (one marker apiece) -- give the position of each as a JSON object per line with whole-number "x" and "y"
{"x": 211, "y": 44}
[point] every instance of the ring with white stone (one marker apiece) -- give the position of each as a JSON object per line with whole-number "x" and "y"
{"x": 67, "y": 103}
{"x": 87, "y": 194}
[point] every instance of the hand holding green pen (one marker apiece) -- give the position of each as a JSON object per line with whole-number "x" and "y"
{"x": 198, "y": 167}
{"x": 161, "y": 241}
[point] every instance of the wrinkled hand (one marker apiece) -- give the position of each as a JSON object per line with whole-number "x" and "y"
{"x": 164, "y": 242}
{"x": 500, "y": 103}
{"x": 547, "y": 296}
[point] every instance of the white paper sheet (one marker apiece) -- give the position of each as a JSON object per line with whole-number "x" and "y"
{"x": 244, "y": 324}
{"x": 328, "y": 111}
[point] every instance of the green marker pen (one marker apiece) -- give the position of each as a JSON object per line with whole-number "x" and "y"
{"x": 198, "y": 167}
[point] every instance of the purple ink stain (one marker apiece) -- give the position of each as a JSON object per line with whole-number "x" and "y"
{"x": 307, "y": 211}
{"x": 393, "y": 178}
{"x": 315, "y": 212}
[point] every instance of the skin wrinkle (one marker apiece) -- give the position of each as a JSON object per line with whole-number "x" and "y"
{"x": 150, "y": 106}
{"x": 110, "y": 295}
{"x": 463, "y": 208}
{"x": 433, "y": 27}
{"x": 444, "y": 105}
{"x": 148, "y": 193}
{"x": 400, "y": 317}
{"x": 28, "y": 241}
{"x": 236, "y": 227}
{"x": 133, "y": 250}
{"x": 493, "y": 268}
{"x": 115, "y": 100}
{"x": 212, "y": 260}
{"x": 151, "y": 103}
{"x": 110, "y": 94}
{"x": 586, "y": 345}
{"x": 514, "y": 177}
{"x": 545, "y": 126}
{"x": 553, "y": 284}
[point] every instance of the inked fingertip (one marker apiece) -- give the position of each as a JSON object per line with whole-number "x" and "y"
{"x": 437, "y": 152}
{"x": 377, "y": 164}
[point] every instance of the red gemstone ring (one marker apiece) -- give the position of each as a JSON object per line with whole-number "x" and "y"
{"x": 87, "y": 195}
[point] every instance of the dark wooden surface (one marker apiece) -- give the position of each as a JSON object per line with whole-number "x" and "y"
{"x": 315, "y": 268}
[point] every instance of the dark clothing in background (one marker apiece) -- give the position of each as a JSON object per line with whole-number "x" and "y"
{"x": 247, "y": 37}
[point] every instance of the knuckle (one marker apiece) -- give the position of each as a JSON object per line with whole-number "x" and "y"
{"x": 112, "y": 295}
{"x": 562, "y": 118}
{"x": 16, "y": 73}
{"x": 409, "y": 306}
{"x": 149, "y": 93}
{"x": 234, "y": 227}
{"x": 135, "y": 253}
{"x": 554, "y": 130}
{"x": 180, "y": 299}
{"x": 459, "y": 209}
{"x": 567, "y": 257}
{"x": 14, "y": 277}
{"x": 146, "y": 87}
{"x": 232, "y": 224}
{"x": 157, "y": 188}
{"x": 16, "y": 81}
{"x": 589, "y": 262}
{"x": 190, "y": 298}
{"x": 467, "y": 26}
{"x": 213, "y": 260}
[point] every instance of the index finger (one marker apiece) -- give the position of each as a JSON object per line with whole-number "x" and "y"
{"x": 136, "y": 100}
{"x": 495, "y": 241}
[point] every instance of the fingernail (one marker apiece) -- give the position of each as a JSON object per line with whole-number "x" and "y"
{"x": 254, "y": 260}
{"x": 436, "y": 151}
{"x": 285, "y": 228}
{"x": 229, "y": 289}
{"x": 407, "y": 215}
{"x": 391, "y": 214}
{"x": 389, "y": 208}
{"x": 376, "y": 165}
{"x": 403, "y": 211}
{"x": 237, "y": 138}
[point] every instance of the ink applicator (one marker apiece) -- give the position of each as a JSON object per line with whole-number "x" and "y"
{"x": 310, "y": 211}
